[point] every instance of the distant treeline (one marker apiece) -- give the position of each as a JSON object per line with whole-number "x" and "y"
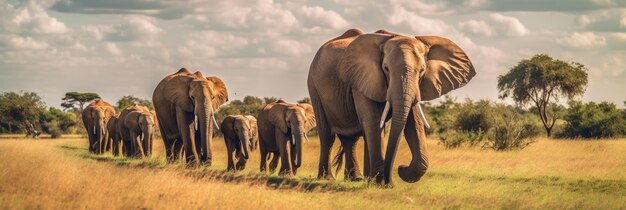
{"x": 455, "y": 123}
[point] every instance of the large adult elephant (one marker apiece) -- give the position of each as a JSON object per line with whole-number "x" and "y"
{"x": 128, "y": 129}
{"x": 357, "y": 79}
{"x": 185, "y": 103}
{"x": 282, "y": 127}
{"x": 95, "y": 118}
{"x": 241, "y": 138}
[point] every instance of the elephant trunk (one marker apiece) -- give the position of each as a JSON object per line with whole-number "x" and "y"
{"x": 401, "y": 103}
{"x": 205, "y": 128}
{"x": 297, "y": 135}
{"x": 416, "y": 139}
{"x": 146, "y": 140}
{"x": 99, "y": 132}
{"x": 244, "y": 143}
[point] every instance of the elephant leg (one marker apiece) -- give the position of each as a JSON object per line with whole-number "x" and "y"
{"x": 352, "y": 171}
{"x": 177, "y": 149}
{"x": 327, "y": 139}
{"x": 241, "y": 162}
{"x": 263, "y": 158}
{"x": 230, "y": 154}
{"x": 292, "y": 155}
{"x": 369, "y": 114}
{"x": 184, "y": 122}
{"x": 284, "y": 147}
{"x": 274, "y": 161}
{"x": 366, "y": 159}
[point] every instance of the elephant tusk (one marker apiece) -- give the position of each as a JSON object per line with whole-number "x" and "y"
{"x": 195, "y": 121}
{"x": 419, "y": 106}
{"x": 293, "y": 139}
{"x": 215, "y": 122}
{"x": 141, "y": 136}
{"x": 384, "y": 116}
{"x": 307, "y": 138}
{"x": 94, "y": 129}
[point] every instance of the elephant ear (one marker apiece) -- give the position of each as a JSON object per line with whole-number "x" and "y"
{"x": 361, "y": 66}
{"x": 447, "y": 67}
{"x": 310, "y": 116}
{"x": 177, "y": 92}
{"x": 277, "y": 117}
{"x": 220, "y": 94}
{"x": 132, "y": 120}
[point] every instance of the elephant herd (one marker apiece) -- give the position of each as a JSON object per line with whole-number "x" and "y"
{"x": 357, "y": 82}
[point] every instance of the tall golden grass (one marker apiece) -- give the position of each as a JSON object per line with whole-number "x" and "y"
{"x": 553, "y": 174}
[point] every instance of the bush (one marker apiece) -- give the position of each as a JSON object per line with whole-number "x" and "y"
{"x": 54, "y": 129}
{"x": 486, "y": 124}
{"x": 593, "y": 120}
{"x": 510, "y": 131}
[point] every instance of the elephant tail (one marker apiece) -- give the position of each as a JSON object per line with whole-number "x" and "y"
{"x": 338, "y": 160}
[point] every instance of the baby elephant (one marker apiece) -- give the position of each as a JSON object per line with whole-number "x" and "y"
{"x": 241, "y": 137}
{"x": 282, "y": 128}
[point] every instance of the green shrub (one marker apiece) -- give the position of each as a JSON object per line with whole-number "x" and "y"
{"x": 510, "y": 131}
{"x": 54, "y": 129}
{"x": 592, "y": 120}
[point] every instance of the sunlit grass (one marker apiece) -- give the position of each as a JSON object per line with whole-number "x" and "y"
{"x": 550, "y": 174}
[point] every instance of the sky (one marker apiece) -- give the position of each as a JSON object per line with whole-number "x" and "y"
{"x": 264, "y": 47}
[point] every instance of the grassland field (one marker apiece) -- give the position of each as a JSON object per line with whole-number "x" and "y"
{"x": 550, "y": 174}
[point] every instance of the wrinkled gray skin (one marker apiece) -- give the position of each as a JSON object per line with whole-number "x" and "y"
{"x": 355, "y": 77}
{"x": 241, "y": 138}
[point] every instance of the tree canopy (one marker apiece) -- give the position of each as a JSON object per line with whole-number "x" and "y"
{"x": 542, "y": 80}
{"x": 77, "y": 101}
{"x": 130, "y": 100}
{"x": 21, "y": 111}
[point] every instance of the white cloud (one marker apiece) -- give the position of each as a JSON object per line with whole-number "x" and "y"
{"x": 418, "y": 24}
{"x": 22, "y": 43}
{"x": 291, "y": 47}
{"x": 477, "y": 27}
{"x": 112, "y": 48}
{"x": 317, "y": 16}
{"x": 30, "y": 18}
{"x": 131, "y": 28}
{"x": 583, "y": 40}
{"x": 509, "y": 25}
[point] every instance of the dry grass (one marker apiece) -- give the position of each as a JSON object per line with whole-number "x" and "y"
{"x": 60, "y": 174}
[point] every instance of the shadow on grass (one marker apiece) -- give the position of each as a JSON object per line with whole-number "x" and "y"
{"x": 209, "y": 174}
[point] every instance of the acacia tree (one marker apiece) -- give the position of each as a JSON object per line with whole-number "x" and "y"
{"x": 542, "y": 80}
{"x": 130, "y": 100}
{"x": 77, "y": 101}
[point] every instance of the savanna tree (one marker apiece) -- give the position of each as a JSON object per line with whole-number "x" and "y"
{"x": 21, "y": 111}
{"x": 77, "y": 101}
{"x": 130, "y": 100}
{"x": 542, "y": 81}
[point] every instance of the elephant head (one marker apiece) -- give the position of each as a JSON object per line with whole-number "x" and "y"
{"x": 402, "y": 71}
{"x": 293, "y": 121}
{"x": 201, "y": 96}
{"x": 142, "y": 124}
{"x": 244, "y": 128}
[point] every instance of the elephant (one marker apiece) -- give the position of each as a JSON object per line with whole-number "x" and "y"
{"x": 241, "y": 138}
{"x": 185, "y": 103}
{"x": 128, "y": 131}
{"x": 114, "y": 140}
{"x": 95, "y": 118}
{"x": 357, "y": 82}
{"x": 282, "y": 127}
{"x": 140, "y": 124}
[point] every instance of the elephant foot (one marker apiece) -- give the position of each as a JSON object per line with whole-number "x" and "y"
{"x": 355, "y": 178}
{"x": 241, "y": 165}
{"x": 285, "y": 172}
{"x": 328, "y": 177}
